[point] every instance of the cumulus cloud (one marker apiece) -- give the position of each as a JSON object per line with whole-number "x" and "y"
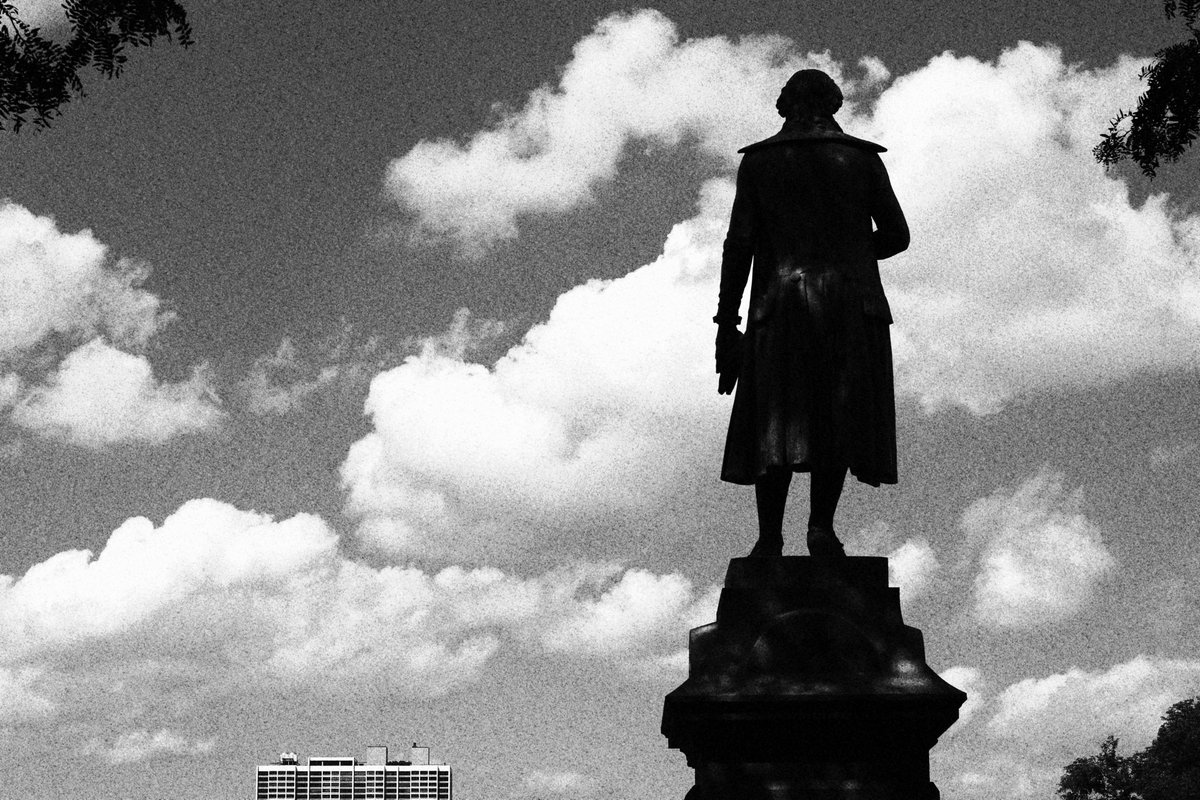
{"x": 1029, "y": 267}
{"x": 101, "y": 396}
{"x": 971, "y": 681}
{"x": 465, "y": 336}
{"x": 1036, "y": 726}
{"x": 19, "y": 700}
{"x": 912, "y": 563}
{"x": 1079, "y": 707}
{"x": 911, "y": 566}
{"x": 588, "y": 414}
{"x": 72, "y": 599}
{"x": 60, "y": 291}
{"x": 639, "y": 611}
{"x": 630, "y": 79}
{"x": 141, "y": 745}
{"x": 1040, "y": 559}
{"x": 63, "y": 283}
{"x": 280, "y": 383}
{"x": 559, "y": 783}
{"x": 1030, "y": 270}
{"x": 1015, "y": 742}
{"x": 1003, "y": 774}
{"x": 10, "y": 389}
{"x": 216, "y": 602}
{"x": 296, "y": 374}
{"x": 1170, "y": 455}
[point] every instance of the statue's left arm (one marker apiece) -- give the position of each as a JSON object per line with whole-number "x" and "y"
{"x": 738, "y": 252}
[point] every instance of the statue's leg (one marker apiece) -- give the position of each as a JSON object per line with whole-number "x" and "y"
{"x": 770, "y": 493}
{"x": 825, "y": 491}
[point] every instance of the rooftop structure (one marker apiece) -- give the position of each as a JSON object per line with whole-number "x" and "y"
{"x": 346, "y": 778}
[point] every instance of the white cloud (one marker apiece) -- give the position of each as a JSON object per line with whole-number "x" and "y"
{"x": 296, "y": 374}
{"x": 59, "y": 291}
{"x": 55, "y": 282}
{"x": 1029, "y": 267}
{"x": 912, "y": 563}
{"x": 144, "y": 572}
{"x": 593, "y": 411}
{"x": 464, "y": 336}
{"x": 556, "y": 783}
{"x": 10, "y": 389}
{"x": 1015, "y": 743}
{"x": 1077, "y": 708}
{"x": 1040, "y": 559}
{"x": 217, "y": 604}
{"x": 1004, "y": 774}
{"x": 971, "y": 681}
{"x": 1038, "y": 725}
{"x": 630, "y": 79}
{"x": 19, "y": 700}
{"x": 911, "y": 566}
{"x": 140, "y": 745}
{"x": 277, "y": 383}
{"x": 639, "y": 612}
{"x": 101, "y": 396}
{"x": 1169, "y": 455}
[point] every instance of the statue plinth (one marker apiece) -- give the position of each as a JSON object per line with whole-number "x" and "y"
{"x": 809, "y": 685}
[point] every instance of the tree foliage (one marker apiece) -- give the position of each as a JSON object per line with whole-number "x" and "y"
{"x": 1106, "y": 776}
{"x": 1169, "y": 769}
{"x": 1167, "y": 117}
{"x": 39, "y": 73}
{"x": 1172, "y": 770}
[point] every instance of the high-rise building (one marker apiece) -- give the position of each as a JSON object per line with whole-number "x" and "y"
{"x": 345, "y": 778}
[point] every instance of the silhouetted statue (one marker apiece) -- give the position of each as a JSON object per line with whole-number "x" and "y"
{"x": 814, "y": 368}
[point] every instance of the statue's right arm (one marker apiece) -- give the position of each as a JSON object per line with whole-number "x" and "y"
{"x": 891, "y": 229}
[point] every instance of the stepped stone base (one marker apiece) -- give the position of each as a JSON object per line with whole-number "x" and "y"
{"x": 809, "y": 686}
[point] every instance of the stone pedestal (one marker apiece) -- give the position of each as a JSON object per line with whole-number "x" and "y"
{"x": 809, "y": 686}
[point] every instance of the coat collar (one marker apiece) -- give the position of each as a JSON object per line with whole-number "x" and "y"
{"x": 813, "y": 134}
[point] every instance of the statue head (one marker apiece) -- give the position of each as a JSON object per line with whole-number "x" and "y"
{"x": 809, "y": 94}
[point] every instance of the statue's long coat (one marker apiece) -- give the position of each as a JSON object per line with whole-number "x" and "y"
{"x": 815, "y": 387}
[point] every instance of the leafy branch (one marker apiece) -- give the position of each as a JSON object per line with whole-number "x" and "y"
{"x": 1167, "y": 118}
{"x": 38, "y": 74}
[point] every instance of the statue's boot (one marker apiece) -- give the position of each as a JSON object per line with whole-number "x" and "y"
{"x": 823, "y": 543}
{"x": 767, "y": 547}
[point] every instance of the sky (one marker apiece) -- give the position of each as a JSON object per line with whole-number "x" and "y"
{"x": 356, "y": 387}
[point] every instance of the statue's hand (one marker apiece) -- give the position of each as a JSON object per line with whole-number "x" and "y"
{"x": 729, "y": 357}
